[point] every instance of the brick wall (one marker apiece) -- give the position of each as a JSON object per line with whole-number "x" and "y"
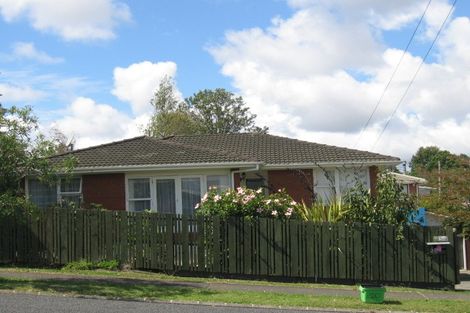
{"x": 105, "y": 189}
{"x": 298, "y": 183}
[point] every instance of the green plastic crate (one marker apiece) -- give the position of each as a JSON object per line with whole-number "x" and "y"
{"x": 372, "y": 293}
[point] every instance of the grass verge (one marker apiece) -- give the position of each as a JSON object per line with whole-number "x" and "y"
{"x": 184, "y": 293}
{"x": 143, "y": 275}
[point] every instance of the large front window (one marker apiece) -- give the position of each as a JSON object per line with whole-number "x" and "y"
{"x": 42, "y": 194}
{"x": 171, "y": 195}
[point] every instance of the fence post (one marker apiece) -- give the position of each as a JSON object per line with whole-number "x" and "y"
{"x": 169, "y": 242}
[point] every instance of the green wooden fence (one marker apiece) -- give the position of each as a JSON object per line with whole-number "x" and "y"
{"x": 264, "y": 247}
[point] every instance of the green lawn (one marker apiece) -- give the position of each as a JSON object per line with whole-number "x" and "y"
{"x": 184, "y": 293}
{"x": 132, "y": 274}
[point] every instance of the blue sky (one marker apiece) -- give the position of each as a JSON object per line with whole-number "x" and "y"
{"x": 310, "y": 69}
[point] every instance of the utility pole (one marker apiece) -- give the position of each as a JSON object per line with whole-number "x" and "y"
{"x": 439, "y": 177}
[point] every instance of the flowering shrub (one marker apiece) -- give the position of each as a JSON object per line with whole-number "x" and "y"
{"x": 247, "y": 203}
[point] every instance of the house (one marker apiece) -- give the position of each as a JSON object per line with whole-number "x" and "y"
{"x": 412, "y": 185}
{"x": 171, "y": 174}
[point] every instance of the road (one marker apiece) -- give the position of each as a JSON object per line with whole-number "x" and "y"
{"x": 25, "y": 303}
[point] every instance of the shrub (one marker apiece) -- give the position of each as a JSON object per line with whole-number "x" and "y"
{"x": 243, "y": 202}
{"x": 84, "y": 265}
{"x": 321, "y": 212}
{"x": 390, "y": 205}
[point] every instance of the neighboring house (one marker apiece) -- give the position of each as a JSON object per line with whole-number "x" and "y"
{"x": 412, "y": 185}
{"x": 171, "y": 174}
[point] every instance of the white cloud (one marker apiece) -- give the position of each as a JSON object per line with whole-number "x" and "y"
{"x": 71, "y": 20}
{"x": 91, "y": 123}
{"x": 19, "y": 94}
{"x": 27, "y": 50}
{"x": 318, "y": 74}
{"x": 137, "y": 83}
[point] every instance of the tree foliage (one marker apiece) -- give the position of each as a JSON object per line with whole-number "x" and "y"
{"x": 221, "y": 112}
{"x": 206, "y": 112}
{"x": 451, "y": 194}
{"x": 23, "y": 152}
{"x": 390, "y": 205}
{"x": 428, "y": 158}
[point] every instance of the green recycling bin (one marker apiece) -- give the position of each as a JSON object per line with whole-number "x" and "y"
{"x": 372, "y": 293}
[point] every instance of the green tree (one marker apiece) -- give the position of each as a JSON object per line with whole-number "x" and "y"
{"x": 206, "y": 112}
{"x": 428, "y": 158}
{"x": 171, "y": 115}
{"x": 23, "y": 152}
{"x": 220, "y": 112}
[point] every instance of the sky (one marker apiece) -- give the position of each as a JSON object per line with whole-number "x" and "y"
{"x": 309, "y": 69}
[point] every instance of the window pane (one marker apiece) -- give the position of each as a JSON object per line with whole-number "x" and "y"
{"x": 42, "y": 194}
{"x": 190, "y": 194}
{"x": 166, "y": 196}
{"x": 70, "y": 185}
{"x": 218, "y": 181}
{"x": 255, "y": 183}
{"x": 139, "y": 205}
{"x": 139, "y": 188}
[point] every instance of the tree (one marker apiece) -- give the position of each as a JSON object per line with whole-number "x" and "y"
{"x": 428, "y": 158}
{"x": 23, "y": 152}
{"x": 171, "y": 115}
{"x": 206, "y": 112}
{"x": 220, "y": 112}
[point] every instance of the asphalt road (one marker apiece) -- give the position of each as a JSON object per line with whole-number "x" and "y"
{"x": 25, "y": 303}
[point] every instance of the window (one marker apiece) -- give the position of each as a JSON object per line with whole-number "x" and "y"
{"x": 190, "y": 194}
{"x": 255, "y": 183}
{"x": 326, "y": 185}
{"x": 221, "y": 182}
{"x": 70, "y": 191}
{"x": 139, "y": 194}
{"x": 166, "y": 196}
{"x": 41, "y": 194}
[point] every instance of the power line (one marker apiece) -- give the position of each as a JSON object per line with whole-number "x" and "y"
{"x": 415, "y": 74}
{"x": 393, "y": 75}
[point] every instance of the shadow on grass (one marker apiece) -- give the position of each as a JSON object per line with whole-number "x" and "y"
{"x": 105, "y": 288}
{"x": 392, "y": 302}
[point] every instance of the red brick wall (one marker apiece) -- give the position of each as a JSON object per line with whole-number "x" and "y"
{"x": 373, "y": 172}
{"x": 106, "y": 189}
{"x": 298, "y": 183}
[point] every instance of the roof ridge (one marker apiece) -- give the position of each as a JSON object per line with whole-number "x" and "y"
{"x": 97, "y": 146}
{"x": 220, "y": 152}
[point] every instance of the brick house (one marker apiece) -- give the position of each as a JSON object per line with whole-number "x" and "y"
{"x": 171, "y": 174}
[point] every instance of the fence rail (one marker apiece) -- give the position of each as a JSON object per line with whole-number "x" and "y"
{"x": 262, "y": 247}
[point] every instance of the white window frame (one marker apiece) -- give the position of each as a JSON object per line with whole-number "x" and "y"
{"x": 59, "y": 193}
{"x": 179, "y": 200}
{"x": 128, "y": 199}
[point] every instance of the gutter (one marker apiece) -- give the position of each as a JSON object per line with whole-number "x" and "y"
{"x": 255, "y": 169}
{"x": 330, "y": 164}
{"x": 163, "y": 167}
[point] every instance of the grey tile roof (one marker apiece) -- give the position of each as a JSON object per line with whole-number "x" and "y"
{"x": 271, "y": 149}
{"x": 216, "y": 148}
{"x": 140, "y": 151}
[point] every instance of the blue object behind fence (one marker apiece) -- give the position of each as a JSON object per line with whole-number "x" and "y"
{"x": 418, "y": 217}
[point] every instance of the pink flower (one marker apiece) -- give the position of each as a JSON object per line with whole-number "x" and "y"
{"x": 288, "y": 212}
{"x": 259, "y": 210}
{"x": 293, "y": 203}
{"x": 217, "y": 198}
{"x": 274, "y": 213}
{"x": 240, "y": 190}
{"x": 276, "y": 200}
{"x": 260, "y": 190}
{"x": 197, "y": 206}
{"x": 268, "y": 201}
{"x": 204, "y": 198}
